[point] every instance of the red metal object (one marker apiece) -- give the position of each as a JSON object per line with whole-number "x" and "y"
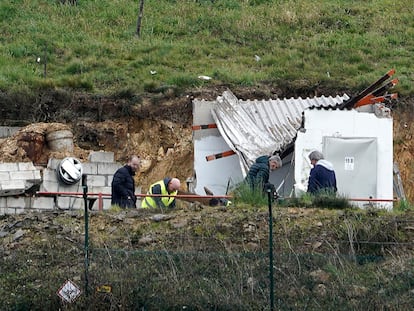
{"x": 351, "y": 102}
{"x": 374, "y": 200}
{"x": 204, "y": 126}
{"x": 100, "y": 201}
{"x": 220, "y": 155}
{"x": 100, "y": 197}
{"x": 186, "y": 196}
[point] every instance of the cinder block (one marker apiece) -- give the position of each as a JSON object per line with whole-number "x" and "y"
{"x": 26, "y": 166}
{"x": 96, "y": 180}
{"x": 8, "y": 167}
{"x": 106, "y": 196}
{"x": 90, "y": 168}
{"x": 109, "y": 179}
{"x": 49, "y": 186}
{"x": 18, "y": 202}
{"x": 107, "y": 203}
{"x": 20, "y": 210}
{"x": 104, "y": 190}
{"x": 4, "y": 176}
{"x": 3, "y": 202}
{"x": 108, "y": 168}
{"x": 12, "y": 187}
{"x": 43, "y": 203}
{"x": 9, "y": 211}
{"x": 37, "y": 175}
{"x": 101, "y": 156}
{"x": 50, "y": 175}
{"x": 139, "y": 201}
{"x": 23, "y": 175}
{"x": 76, "y": 203}
{"x": 53, "y": 163}
{"x": 63, "y": 202}
{"x": 70, "y": 188}
{"x": 69, "y": 203}
{"x": 7, "y": 131}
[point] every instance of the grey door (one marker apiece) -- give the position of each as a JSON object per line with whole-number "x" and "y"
{"x": 355, "y": 164}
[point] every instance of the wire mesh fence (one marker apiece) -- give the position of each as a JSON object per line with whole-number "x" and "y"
{"x": 358, "y": 267}
{"x": 125, "y": 279}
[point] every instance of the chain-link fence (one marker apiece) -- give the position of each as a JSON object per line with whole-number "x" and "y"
{"x": 357, "y": 265}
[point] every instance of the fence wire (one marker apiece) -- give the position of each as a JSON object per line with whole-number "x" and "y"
{"x": 125, "y": 279}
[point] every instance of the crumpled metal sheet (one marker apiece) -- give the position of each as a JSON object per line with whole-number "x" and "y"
{"x": 261, "y": 127}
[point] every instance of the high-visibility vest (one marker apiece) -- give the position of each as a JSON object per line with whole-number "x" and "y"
{"x": 149, "y": 202}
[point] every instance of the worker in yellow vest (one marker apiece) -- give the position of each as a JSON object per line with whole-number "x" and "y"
{"x": 168, "y": 187}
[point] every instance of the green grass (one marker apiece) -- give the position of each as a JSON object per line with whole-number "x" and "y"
{"x": 93, "y": 46}
{"x": 244, "y": 194}
{"x": 403, "y": 205}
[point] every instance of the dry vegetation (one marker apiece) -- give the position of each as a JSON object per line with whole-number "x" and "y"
{"x": 324, "y": 259}
{"x": 99, "y": 83}
{"x": 159, "y": 130}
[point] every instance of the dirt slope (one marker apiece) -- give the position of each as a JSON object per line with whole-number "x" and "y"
{"x": 158, "y": 128}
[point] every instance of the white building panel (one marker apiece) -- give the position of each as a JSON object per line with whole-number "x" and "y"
{"x": 320, "y": 124}
{"x": 252, "y": 128}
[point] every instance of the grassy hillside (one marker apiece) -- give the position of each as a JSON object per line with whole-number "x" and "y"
{"x": 303, "y": 45}
{"x": 194, "y": 257}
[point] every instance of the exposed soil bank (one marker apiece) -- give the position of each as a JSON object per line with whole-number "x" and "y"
{"x": 158, "y": 126}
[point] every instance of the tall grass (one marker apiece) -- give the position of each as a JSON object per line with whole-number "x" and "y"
{"x": 93, "y": 46}
{"x": 251, "y": 196}
{"x": 218, "y": 261}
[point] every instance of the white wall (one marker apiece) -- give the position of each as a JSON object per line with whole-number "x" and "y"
{"x": 349, "y": 123}
{"x": 217, "y": 174}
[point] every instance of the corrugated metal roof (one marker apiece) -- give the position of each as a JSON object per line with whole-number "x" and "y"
{"x": 257, "y": 127}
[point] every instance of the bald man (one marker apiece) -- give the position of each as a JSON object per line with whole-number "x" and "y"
{"x": 167, "y": 186}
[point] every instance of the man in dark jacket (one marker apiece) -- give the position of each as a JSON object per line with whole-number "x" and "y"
{"x": 123, "y": 184}
{"x": 322, "y": 177}
{"x": 258, "y": 175}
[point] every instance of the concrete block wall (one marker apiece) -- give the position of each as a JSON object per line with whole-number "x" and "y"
{"x": 7, "y": 131}
{"x": 16, "y": 178}
{"x": 99, "y": 169}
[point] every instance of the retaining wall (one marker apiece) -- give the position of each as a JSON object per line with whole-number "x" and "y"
{"x": 100, "y": 169}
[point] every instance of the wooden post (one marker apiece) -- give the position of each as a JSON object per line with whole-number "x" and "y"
{"x": 140, "y": 13}
{"x": 45, "y": 62}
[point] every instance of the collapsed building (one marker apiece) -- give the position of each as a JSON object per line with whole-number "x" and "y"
{"x": 354, "y": 133}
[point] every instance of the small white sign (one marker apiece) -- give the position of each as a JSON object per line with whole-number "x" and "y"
{"x": 69, "y": 291}
{"x": 349, "y": 163}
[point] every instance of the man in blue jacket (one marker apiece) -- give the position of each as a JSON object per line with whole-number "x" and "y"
{"x": 123, "y": 184}
{"x": 322, "y": 177}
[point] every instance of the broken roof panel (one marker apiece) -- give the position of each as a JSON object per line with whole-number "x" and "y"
{"x": 256, "y": 127}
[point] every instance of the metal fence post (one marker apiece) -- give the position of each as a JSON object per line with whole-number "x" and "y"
{"x": 271, "y": 289}
{"x": 85, "y": 200}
